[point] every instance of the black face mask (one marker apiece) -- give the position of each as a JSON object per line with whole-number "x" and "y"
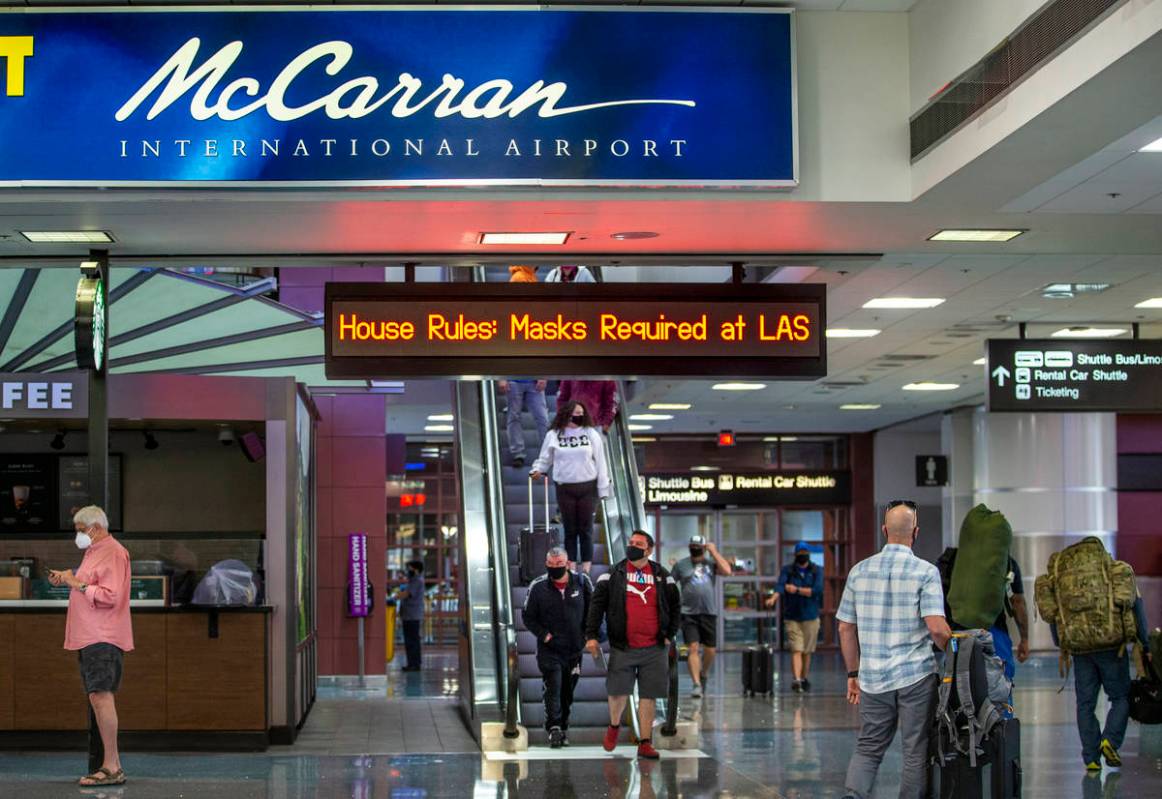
{"x": 802, "y": 560}
{"x": 634, "y": 553}
{"x": 557, "y": 572}
{"x": 578, "y": 420}
{"x": 696, "y": 552}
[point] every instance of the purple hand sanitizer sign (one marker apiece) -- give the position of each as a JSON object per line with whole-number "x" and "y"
{"x": 358, "y": 601}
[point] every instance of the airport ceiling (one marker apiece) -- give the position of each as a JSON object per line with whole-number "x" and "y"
{"x": 1073, "y": 177}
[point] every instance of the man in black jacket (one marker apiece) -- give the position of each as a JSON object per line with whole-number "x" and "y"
{"x": 556, "y": 606}
{"x": 642, "y": 608}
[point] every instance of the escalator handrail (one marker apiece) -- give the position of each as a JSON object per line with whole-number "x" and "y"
{"x": 670, "y": 727}
{"x": 512, "y": 699}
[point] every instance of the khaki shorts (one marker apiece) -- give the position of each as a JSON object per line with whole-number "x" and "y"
{"x": 802, "y": 636}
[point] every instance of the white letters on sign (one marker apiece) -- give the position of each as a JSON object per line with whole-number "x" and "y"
{"x": 36, "y": 396}
{"x": 354, "y": 98}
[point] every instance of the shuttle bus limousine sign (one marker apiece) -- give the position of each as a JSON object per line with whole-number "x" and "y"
{"x": 603, "y": 329}
{"x": 1065, "y": 375}
{"x": 747, "y": 489}
{"x": 412, "y": 96}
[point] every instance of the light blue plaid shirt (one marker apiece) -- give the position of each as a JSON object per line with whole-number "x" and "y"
{"x": 887, "y": 597}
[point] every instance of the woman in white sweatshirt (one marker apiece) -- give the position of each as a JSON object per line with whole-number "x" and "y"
{"x": 573, "y": 454}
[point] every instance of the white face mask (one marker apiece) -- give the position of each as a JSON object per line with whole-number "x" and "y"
{"x": 83, "y": 541}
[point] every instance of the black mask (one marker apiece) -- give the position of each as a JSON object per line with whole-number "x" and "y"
{"x": 578, "y": 420}
{"x": 696, "y": 552}
{"x": 634, "y": 553}
{"x": 802, "y": 560}
{"x": 557, "y": 572}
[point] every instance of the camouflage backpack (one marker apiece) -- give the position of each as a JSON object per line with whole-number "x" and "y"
{"x": 1089, "y": 596}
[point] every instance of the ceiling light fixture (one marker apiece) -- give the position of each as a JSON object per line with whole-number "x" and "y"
{"x": 860, "y": 406}
{"x": 928, "y": 385}
{"x": 783, "y": 439}
{"x": 1153, "y": 302}
{"x": 524, "y": 238}
{"x": 67, "y": 236}
{"x": 903, "y": 303}
{"x": 634, "y": 427}
{"x": 1088, "y": 332}
{"x": 705, "y": 469}
{"x": 1067, "y": 291}
{"x": 643, "y": 439}
{"x": 441, "y": 417}
{"x": 739, "y": 386}
{"x": 1153, "y": 147}
{"x": 976, "y": 235}
{"x": 980, "y": 362}
{"x": 849, "y": 332}
{"x": 669, "y": 406}
{"x": 439, "y": 428}
{"x": 634, "y": 235}
{"x": 651, "y": 417}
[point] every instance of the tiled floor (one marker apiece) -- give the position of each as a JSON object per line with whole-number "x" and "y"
{"x": 397, "y": 738}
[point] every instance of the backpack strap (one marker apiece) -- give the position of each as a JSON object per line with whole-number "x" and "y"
{"x": 986, "y": 716}
{"x": 946, "y": 727}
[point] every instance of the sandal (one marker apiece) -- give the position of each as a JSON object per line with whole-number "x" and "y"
{"x": 102, "y": 776}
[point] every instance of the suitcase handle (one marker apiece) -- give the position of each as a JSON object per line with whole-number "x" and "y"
{"x": 532, "y": 518}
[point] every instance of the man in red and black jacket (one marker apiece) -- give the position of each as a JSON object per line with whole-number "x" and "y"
{"x": 640, "y": 603}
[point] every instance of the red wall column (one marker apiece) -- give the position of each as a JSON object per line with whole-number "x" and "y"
{"x": 350, "y": 497}
{"x": 1138, "y": 528}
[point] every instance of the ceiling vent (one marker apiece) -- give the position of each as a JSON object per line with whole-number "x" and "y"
{"x": 901, "y": 358}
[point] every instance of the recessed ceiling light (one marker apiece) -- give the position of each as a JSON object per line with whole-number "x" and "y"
{"x": 1067, "y": 291}
{"x": 1153, "y": 147}
{"x": 848, "y": 332}
{"x": 992, "y": 236}
{"x": 642, "y": 439}
{"x": 739, "y": 386}
{"x": 927, "y": 385}
{"x": 524, "y": 238}
{"x": 652, "y": 417}
{"x": 634, "y": 427}
{"x": 1153, "y": 302}
{"x": 903, "y": 303}
{"x": 670, "y": 406}
{"x": 439, "y": 428}
{"x": 705, "y": 469}
{"x": 980, "y": 362}
{"x": 860, "y": 406}
{"x": 67, "y": 236}
{"x": 634, "y": 235}
{"x": 441, "y": 417}
{"x": 784, "y": 439}
{"x": 1088, "y": 332}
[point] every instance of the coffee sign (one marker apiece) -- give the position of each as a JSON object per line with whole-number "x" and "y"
{"x": 30, "y": 396}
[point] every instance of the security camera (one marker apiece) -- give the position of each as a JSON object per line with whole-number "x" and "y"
{"x": 226, "y": 436}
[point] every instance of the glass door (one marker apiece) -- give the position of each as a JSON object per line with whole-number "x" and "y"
{"x": 749, "y": 540}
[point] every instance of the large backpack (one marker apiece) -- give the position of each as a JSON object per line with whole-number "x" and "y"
{"x": 972, "y": 696}
{"x": 1089, "y": 596}
{"x": 980, "y": 575}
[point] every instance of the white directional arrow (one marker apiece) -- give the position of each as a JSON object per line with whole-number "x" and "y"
{"x": 1001, "y": 374}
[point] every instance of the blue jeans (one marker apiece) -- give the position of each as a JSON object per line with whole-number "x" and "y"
{"x": 1092, "y": 672}
{"x": 521, "y": 396}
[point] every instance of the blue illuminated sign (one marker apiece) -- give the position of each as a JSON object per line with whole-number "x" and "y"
{"x": 527, "y": 96}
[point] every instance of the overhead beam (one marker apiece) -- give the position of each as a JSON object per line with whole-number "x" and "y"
{"x": 16, "y": 305}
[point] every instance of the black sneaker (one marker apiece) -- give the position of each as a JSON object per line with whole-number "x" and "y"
{"x": 806, "y": 685}
{"x": 564, "y": 738}
{"x": 555, "y": 738}
{"x": 518, "y": 461}
{"x": 796, "y": 687}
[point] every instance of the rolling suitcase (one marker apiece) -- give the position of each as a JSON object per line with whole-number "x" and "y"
{"x": 758, "y": 670}
{"x": 997, "y": 774}
{"x": 536, "y": 540}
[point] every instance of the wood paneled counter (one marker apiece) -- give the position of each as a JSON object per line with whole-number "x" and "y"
{"x": 192, "y": 670}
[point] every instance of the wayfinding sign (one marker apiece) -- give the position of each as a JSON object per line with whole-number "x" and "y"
{"x": 567, "y": 329}
{"x": 747, "y": 488}
{"x": 1074, "y": 375}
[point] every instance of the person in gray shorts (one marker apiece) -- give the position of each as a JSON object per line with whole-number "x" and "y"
{"x": 639, "y": 602}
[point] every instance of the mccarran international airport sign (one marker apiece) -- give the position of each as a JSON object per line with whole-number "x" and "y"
{"x": 409, "y": 96}
{"x": 557, "y": 329}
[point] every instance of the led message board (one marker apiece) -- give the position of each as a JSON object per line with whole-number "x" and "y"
{"x": 747, "y": 489}
{"x": 1074, "y": 375}
{"x": 601, "y": 329}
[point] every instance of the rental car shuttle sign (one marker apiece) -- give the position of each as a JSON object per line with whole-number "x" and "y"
{"x": 596, "y": 329}
{"x": 402, "y": 96}
{"x": 1077, "y": 375}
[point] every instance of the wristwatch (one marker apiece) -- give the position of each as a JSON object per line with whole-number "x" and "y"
{"x": 83, "y": 587}
{"x": 851, "y": 675}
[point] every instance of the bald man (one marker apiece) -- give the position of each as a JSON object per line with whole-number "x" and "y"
{"x": 891, "y": 613}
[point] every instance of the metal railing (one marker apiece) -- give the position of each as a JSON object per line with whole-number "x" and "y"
{"x": 512, "y": 699}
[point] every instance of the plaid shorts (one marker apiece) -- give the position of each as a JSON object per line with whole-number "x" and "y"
{"x": 101, "y": 668}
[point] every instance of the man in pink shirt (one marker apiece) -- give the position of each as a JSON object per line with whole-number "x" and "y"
{"x": 98, "y": 627}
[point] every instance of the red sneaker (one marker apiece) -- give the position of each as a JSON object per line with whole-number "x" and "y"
{"x": 610, "y": 742}
{"x": 646, "y": 749}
